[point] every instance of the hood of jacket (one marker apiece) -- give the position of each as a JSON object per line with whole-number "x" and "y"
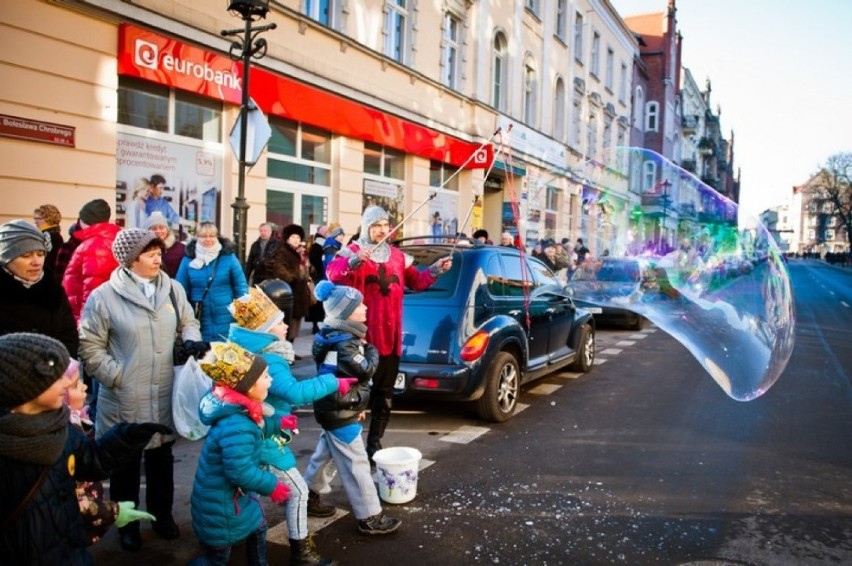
{"x": 103, "y": 229}
{"x": 211, "y": 408}
{"x": 228, "y": 247}
{"x": 126, "y": 286}
{"x": 251, "y": 340}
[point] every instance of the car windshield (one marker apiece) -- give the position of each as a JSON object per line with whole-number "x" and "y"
{"x": 424, "y": 256}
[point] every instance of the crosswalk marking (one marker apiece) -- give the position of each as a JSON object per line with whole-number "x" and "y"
{"x": 569, "y": 374}
{"x": 545, "y": 389}
{"x": 610, "y": 351}
{"x": 465, "y": 434}
{"x": 638, "y": 336}
{"x": 600, "y": 361}
{"x": 625, "y": 343}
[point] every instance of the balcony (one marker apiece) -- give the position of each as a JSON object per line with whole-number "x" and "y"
{"x": 689, "y": 124}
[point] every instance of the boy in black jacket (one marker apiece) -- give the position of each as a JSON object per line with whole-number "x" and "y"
{"x": 340, "y": 348}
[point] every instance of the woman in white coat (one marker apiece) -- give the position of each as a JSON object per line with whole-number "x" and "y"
{"x": 127, "y": 333}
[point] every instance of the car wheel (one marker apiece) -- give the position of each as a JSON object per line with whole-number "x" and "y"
{"x": 585, "y": 350}
{"x": 502, "y": 386}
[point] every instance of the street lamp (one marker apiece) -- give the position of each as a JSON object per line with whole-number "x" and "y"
{"x": 664, "y": 199}
{"x": 246, "y": 47}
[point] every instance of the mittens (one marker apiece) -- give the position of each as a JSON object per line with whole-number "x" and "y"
{"x": 196, "y": 348}
{"x": 344, "y": 384}
{"x": 280, "y": 494}
{"x": 290, "y": 422}
{"x": 139, "y": 433}
{"x": 127, "y": 513}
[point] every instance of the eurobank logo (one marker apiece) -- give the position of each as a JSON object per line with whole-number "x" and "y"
{"x": 167, "y": 61}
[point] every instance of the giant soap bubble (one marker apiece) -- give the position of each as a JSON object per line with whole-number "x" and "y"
{"x": 667, "y": 246}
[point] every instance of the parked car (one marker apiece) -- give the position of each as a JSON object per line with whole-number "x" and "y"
{"x": 599, "y": 283}
{"x": 495, "y": 321}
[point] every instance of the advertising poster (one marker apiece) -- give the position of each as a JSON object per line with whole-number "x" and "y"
{"x": 389, "y": 196}
{"x": 181, "y": 181}
{"x": 443, "y": 214}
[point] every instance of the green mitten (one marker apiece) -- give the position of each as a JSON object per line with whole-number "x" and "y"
{"x": 127, "y": 513}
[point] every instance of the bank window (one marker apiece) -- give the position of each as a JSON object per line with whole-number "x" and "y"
{"x": 155, "y": 107}
{"x": 299, "y": 153}
{"x": 383, "y": 161}
{"x": 442, "y": 175}
{"x": 326, "y": 12}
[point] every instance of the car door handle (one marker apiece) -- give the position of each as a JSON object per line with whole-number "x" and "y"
{"x": 550, "y": 311}
{"x": 514, "y": 312}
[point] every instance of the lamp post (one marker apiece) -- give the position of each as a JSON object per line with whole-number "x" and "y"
{"x": 246, "y": 47}
{"x": 664, "y": 199}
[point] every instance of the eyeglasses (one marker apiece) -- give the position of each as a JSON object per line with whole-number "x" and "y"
{"x": 37, "y": 218}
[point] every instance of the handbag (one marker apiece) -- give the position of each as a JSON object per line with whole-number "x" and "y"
{"x": 179, "y": 353}
{"x": 198, "y": 306}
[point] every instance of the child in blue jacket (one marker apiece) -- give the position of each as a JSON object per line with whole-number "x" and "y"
{"x": 225, "y": 510}
{"x": 260, "y": 329}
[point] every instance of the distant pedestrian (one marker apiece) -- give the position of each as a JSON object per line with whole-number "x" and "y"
{"x": 47, "y": 218}
{"x": 259, "y": 252}
{"x": 175, "y": 250}
{"x": 581, "y": 251}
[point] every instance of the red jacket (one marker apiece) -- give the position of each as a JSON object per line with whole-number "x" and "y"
{"x": 91, "y": 264}
{"x": 383, "y": 286}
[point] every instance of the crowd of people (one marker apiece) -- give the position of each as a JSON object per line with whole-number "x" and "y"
{"x": 88, "y": 335}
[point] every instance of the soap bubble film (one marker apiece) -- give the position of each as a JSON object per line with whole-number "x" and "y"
{"x": 667, "y": 246}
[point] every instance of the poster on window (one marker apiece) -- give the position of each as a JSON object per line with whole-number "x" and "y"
{"x": 183, "y": 182}
{"x": 390, "y": 197}
{"x": 443, "y": 214}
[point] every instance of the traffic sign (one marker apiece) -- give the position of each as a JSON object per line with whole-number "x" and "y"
{"x": 257, "y": 134}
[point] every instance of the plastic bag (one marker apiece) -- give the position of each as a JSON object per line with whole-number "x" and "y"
{"x": 191, "y": 384}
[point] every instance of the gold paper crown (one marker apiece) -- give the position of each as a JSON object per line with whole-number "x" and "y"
{"x": 254, "y": 310}
{"x": 227, "y": 364}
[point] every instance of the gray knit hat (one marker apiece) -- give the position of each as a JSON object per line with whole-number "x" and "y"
{"x": 95, "y": 211}
{"x": 157, "y": 218}
{"x": 129, "y": 243}
{"x": 372, "y": 215}
{"x": 339, "y": 301}
{"x": 18, "y": 237}
{"x": 29, "y": 364}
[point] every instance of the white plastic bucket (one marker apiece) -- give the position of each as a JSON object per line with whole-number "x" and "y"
{"x": 396, "y": 472}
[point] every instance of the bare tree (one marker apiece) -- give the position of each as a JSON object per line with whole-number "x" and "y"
{"x": 833, "y": 185}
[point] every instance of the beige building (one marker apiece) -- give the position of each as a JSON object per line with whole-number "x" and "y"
{"x": 368, "y": 102}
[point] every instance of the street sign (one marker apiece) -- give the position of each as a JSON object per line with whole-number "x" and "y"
{"x": 257, "y": 134}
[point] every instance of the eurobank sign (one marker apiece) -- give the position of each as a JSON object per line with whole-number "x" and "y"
{"x": 150, "y": 56}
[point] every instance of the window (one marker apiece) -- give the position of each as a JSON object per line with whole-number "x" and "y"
{"x": 155, "y": 107}
{"x": 383, "y": 161}
{"x": 299, "y": 153}
{"x": 649, "y": 176}
{"x": 499, "y": 72}
{"x": 443, "y": 176}
{"x": 398, "y": 30}
{"x": 576, "y": 119}
{"x": 652, "y": 116}
{"x": 326, "y": 12}
{"x": 530, "y": 92}
{"x": 562, "y": 20}
{"x": 578, "y": 37}
{"x": 559, "y": 104}
{"x": 532, "y": 6}
{"x": 622, "y": 84}
{"x": 451, "y": 47}
{"x": 595, "y": 64}
{"x": 639, "y": 108}
{"x": 592, "y": 137}
{"x": 610, "y": 69}
{"x": 607, "y": 139}
{"x": 829, "y": 234}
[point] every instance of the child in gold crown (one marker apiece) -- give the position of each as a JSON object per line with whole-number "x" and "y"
{"x": 260, "y": 328}
{"x": 224, "y": 509}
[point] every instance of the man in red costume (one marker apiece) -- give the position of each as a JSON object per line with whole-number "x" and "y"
{"x": 381, "y": 272}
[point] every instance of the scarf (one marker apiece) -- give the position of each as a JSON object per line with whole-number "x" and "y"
{"x": 34, "y": 439}
{"x": 203, "y": 256}
{"x": 27, "y": 284}
{"x": 281, "y": 348}
{"x": 256, "y": 409}
{"x": 148, "y": 286}
{"x": 357, "y": 329}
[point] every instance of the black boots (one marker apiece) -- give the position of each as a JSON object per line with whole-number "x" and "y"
{"x": 303, "y": 553}
{"x": 129, "y": 537}
{"x": 316, "y": 508}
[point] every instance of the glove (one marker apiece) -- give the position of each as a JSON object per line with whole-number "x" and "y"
{"x": 344, "y": 384}
{"x": 196, "y": 348}
{"x": 127, "y": 513}
{"x": 441, "y": 266}
{"x": 355, "y": 262}
{"x": 290, "y": 422}
{"x": 280, "y": 494}
{"x": 142, "y": 432}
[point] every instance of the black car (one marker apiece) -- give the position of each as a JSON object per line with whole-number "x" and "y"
{"x": 495, "y": 321}
{"x": 598, "y": 285}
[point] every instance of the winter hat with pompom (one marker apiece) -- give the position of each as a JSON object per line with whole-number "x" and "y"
{"x": 339, "y": 301}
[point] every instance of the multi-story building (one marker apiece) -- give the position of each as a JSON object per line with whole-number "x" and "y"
{"x": 367, "y": 101}
{"x": 818, "y": 225}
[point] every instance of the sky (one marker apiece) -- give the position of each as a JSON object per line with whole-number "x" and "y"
{"x": 781, "y": 70}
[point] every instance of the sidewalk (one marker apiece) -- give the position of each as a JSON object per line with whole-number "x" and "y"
{"x": 158, "y": 552}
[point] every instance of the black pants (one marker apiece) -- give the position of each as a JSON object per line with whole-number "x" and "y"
{"x": 381, "y": 400}
{"x": 159, "y": 481}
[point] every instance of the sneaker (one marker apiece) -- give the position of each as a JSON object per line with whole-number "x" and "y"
{"x": 379, "y": 524}
{"x": 316, "y": 508}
